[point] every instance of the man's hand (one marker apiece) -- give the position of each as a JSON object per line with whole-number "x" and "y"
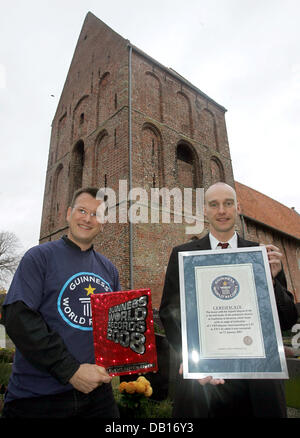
{"x": 88, "y": 377}
{"x": 207, "y": 379}
{"x": 275, "y": 257}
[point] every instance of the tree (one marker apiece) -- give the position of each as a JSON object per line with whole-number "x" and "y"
{"x": 2, "y": 298}
{"x": 9, "y": 256}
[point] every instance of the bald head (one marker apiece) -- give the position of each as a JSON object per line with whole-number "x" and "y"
{"x": 221, "y": 209}
{"x": 214, "y": 189}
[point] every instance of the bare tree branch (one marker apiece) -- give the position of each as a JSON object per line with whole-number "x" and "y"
{"x": 9, "y": 255}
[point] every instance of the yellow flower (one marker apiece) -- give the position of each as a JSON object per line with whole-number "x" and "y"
{"x": 143, "y": 379}
{"x": 122, "y": 386}
{"x": 148, "y": 391}
{"x": 130, "y": 387}
{"x": 140, "y": 387}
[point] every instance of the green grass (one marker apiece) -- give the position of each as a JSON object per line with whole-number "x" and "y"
{"x": 292, "y": 388}
{"x": 5, "y": 371}
{"x": 7, "y": 355}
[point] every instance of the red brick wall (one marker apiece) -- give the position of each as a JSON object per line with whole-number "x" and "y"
{"x": 164, "y": 116}
{"x": 288, "y": 247}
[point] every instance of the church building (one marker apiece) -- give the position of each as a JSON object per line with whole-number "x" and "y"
{"x": 124, "y": 121}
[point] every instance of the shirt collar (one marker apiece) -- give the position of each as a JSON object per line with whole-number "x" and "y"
{"x": 73, "y": 244}
{"x": 214, "y": 242}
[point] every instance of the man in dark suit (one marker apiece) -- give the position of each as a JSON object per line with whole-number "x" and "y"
{"x": 208, "y": 397}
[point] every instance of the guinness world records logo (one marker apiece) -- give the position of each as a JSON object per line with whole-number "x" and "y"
{"x": 225, "y": 287}
{"x": 74, "y": 303}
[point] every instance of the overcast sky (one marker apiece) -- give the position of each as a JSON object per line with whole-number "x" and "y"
{"x": 245, "y": 54}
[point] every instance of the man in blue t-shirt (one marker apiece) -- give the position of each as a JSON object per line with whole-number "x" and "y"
{"x": 47, "y": 314}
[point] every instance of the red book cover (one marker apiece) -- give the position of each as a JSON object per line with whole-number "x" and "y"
{"x": 124, "y": 340}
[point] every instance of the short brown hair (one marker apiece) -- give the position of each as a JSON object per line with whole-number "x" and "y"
{"x": 90, "y": 190}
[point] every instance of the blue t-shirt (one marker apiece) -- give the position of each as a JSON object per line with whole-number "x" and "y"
{"x": 57, "y": 279}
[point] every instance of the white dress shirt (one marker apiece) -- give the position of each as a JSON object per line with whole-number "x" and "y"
{"x": 232, "y": 243}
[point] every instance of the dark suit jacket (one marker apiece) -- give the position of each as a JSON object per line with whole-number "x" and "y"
{"x": 260, "y": 398}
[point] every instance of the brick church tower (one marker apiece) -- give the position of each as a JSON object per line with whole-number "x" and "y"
{"x": 124, "y": 116}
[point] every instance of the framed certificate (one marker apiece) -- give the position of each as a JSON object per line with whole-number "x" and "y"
{"x": 229, "y": 320}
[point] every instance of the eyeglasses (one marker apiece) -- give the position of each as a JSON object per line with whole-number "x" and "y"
{"x": 83, "y": 212}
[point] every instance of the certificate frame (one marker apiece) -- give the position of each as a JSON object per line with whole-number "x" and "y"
{"x": 250, "y": 344}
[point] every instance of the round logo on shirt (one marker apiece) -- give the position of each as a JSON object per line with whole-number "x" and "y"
{"x": 225, "y": 287}
{"x": 74, "y": 303}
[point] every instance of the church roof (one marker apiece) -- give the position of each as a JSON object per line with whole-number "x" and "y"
{"x": 267, "y": 211}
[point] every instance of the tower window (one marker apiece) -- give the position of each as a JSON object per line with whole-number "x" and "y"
{"x": 184, "y": 154}
{"x": 186, "y": 166}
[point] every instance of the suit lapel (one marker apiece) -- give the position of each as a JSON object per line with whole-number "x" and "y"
{"x": 203, "y": 243}
{"x": 242, "y": 243}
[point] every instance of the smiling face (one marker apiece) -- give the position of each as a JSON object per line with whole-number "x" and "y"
{"x": 82, "y": 220}
{"x": 221, "y": 209}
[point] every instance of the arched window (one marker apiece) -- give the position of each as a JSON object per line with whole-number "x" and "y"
{"x": 187, "y": 167}
{"x": 184, "y": 114}
{"x": 153, "y": 97}
{"x": 101, "y": 159}
{"x": 207, "y": 129}
{"x": 61, "y": 144}
{"x": 216, "y": 170}
{"x": 56, "y": 201}
{"x": 79, "y": 121}
{"x": 151, "y": 163}
{"x": 76, "y": 168}
{"x": 106, "y": 100}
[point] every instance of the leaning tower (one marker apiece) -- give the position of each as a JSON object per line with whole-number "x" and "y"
{"x": 123, "y": 116}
